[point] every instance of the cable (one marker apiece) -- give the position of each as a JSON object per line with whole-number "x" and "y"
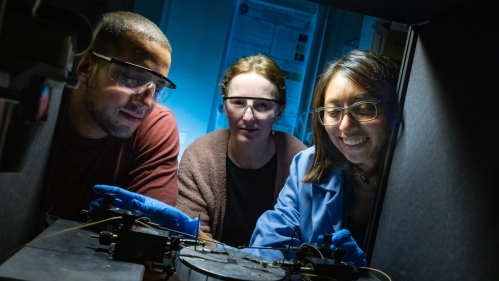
{"x": 247, "y": 254}
{"x": 189, "y": 235}
{"x": 290, "y": 241}
{"x": 143, "y": 223}
{"x": 179, "y": 232}
{"x": 313, "y": 247}
{"x": 55, "y": 233}
{"x": 377, "y": 270}
{"x": 315, "y": 275}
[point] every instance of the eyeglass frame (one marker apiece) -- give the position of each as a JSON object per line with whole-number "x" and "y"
{"x": 128, "y": 64}
{"x": 343, "y": 111}
{"x": 254, "y": 98}
{"x": 276, "y": 101}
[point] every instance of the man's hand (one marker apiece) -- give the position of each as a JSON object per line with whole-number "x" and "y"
{"x": 157, "y": 211}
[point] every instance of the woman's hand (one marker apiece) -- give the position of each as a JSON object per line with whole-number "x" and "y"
{"x": 343, "y": 240}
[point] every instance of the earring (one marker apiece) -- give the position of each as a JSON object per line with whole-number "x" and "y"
{"x": 273, "y": 130}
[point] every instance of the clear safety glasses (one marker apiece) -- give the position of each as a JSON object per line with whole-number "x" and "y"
{"x": 361, "y": 111}
{"x": 260, "y": 107}
{"x": 138, "y": 79}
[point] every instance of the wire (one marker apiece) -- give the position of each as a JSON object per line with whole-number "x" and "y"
{"x": 183, "y": 233}
{"x": 315, "y": 275}
{"x": 186, "y": 234}
{"x": 377, "y": 270}
{"x": 290, "y": 242}
{"x": 55, "y": 233}
{"x": 209, "y": 240}
{"x": 144, "y": 224}
{"x": 247, "y": 254}
{"x": 70, "y": 229}
{"x": 227, "y": 252}
{"x": 263, "y": 248}
{"x": 184, "y": 246}
{"x": 313, "y": 247}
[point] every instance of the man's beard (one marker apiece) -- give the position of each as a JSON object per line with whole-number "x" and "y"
{"x": 102, "y": 117}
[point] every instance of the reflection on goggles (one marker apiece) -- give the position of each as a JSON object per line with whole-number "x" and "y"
{"x": 138, "y": 80}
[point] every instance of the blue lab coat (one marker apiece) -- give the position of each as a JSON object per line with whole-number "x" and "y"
{"x": 305, "y": 209}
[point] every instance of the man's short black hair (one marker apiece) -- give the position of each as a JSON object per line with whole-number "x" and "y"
{"x": 116, "y": 24}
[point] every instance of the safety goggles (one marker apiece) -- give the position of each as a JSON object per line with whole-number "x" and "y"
{"x": 361, "y": 111}
{"x": 137, "y": 78}
{"x": 261, "y": 108}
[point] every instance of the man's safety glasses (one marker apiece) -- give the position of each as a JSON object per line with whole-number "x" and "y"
{"x": 137, "y": 78}
{"x": 361, "y": 111}
{"x": 261, "y": 108}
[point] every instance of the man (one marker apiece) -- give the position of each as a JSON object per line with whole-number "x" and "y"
{"x": 113, "y": 131}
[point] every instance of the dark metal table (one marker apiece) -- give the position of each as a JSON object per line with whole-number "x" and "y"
{"x": 67, "y": 256}
{"x": 73, "y": 255}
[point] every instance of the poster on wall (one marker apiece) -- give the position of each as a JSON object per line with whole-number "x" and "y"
{"x": 282, "y": 33}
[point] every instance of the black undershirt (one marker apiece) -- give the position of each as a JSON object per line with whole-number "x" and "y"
{"x": 249, "y": 194}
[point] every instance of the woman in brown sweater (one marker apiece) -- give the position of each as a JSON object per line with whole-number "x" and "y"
{"x": 229, "y": 177}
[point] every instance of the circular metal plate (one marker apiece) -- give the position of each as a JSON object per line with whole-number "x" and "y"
{"x": 221, "y": 264}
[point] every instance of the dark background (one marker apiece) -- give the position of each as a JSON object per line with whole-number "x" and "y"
{"x": 439, "y": 199}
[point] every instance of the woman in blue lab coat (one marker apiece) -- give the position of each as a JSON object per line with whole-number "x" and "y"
{"x": 332, "y": 186}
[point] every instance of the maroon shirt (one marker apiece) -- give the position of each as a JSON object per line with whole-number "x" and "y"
{"x": 145, "y": 163}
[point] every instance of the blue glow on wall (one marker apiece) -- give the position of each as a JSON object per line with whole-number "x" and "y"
{"x": 197, "y": 31}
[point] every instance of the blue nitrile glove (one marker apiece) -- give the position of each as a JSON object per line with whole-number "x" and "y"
{"x": 157, "y": 211}
{"x": 344, "y": 240}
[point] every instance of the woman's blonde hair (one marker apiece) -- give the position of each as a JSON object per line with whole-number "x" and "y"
{"x": 260, "y": 64}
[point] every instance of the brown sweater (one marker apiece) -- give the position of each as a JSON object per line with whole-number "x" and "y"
{"x": 202, "y": 175}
